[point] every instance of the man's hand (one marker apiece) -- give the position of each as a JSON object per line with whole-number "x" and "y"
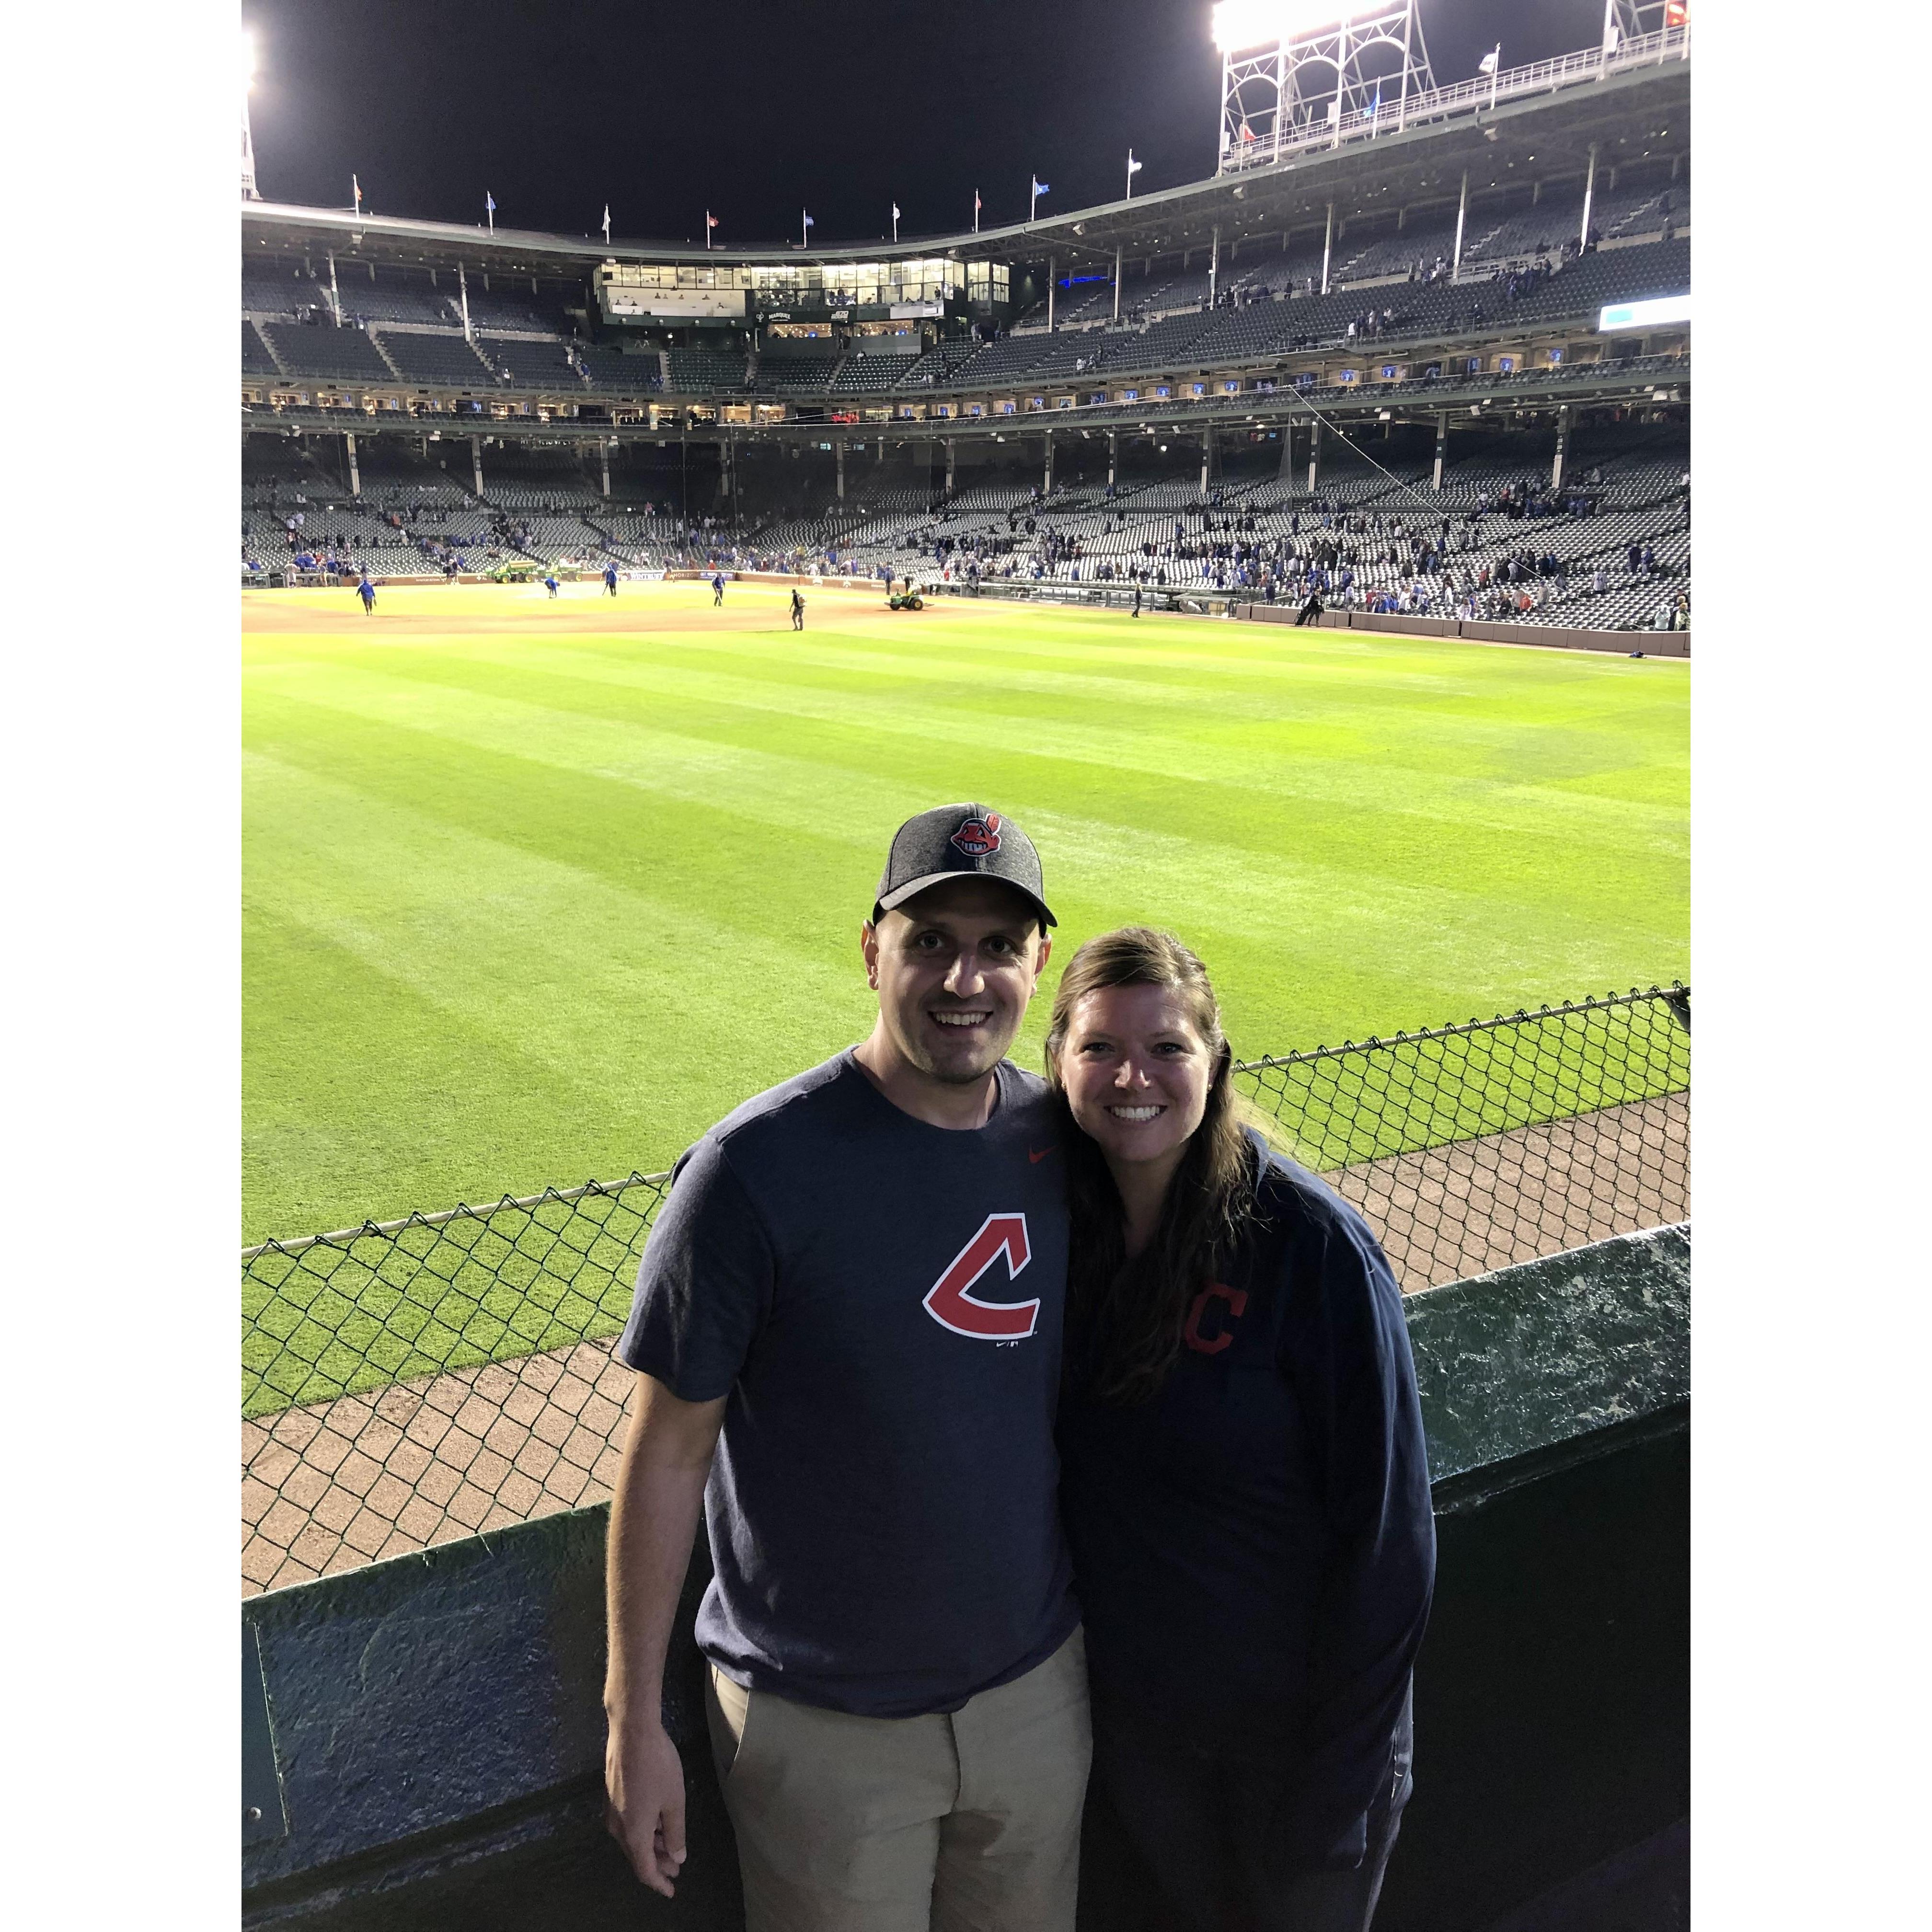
{"x": 654, "y": 1509}
{"x": 645, "y": 1808}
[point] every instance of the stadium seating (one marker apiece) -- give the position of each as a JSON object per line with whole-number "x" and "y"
{"x": 531, "y": 365}
{"x": 291, "y": 297}
{"x": 612, "y": 369}
{"x": 870, "y": 372}
{"x": 939, "y": 363}
{"x": 256, "y": 360}
{"x": 697, "y": 371}
{"x": 347, "y": 354}
{"x": 446, "y": 359}
{"x": 506, "y": 312}
{"x": 393, "y": 299}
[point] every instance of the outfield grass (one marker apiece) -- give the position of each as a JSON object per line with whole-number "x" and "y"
{"x": 536, "y": 891}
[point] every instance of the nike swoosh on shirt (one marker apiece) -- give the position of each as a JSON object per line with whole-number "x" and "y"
{"x": 1037, "y": 1158}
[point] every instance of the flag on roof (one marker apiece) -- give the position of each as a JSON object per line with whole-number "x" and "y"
{"x": 1676, "y": 13}
{"x": 1039, "y": 186}
{"x": 489, "y": 202}
{"x": 895, "y": 211}
{"x": 808, "y": 221}
{"x": 1134, "y": 166}
{"x": 710, "y": 220}
{"x": 1487, "y": 64}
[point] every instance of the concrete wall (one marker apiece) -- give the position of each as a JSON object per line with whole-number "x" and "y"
{"x": 436, "y": 1739}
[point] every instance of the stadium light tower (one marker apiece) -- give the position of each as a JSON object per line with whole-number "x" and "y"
{"x": 250, "y": 192}
{"x": 1293, "y": 71}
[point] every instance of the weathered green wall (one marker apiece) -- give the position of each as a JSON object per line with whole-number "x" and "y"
{"x": 438, "y": 1733}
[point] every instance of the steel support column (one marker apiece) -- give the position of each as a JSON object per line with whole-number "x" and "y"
{"x": 1113, "y": 457}
{"x": 1117, "y": 276}
{"x": 354, "y": 474}
{"x": 1589, "y": 191}
{"x": 951, "y": 462}
{"x": 838, "y": 451}
{"x": 1213, "y": 265}
{"x": 1050, "y": 272}
{"x": 1314, "y": 454}
{"x": 1562, "y": 447}
{"x": 1046, "y": 489}
{"x": 1462, "y": 214}
{"x": 604, "y": 457}
{"x": 476, "y": 464}
{"x": 1441, "y": 443}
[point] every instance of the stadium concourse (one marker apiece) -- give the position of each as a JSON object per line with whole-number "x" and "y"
{"x": 1439, "y": 370}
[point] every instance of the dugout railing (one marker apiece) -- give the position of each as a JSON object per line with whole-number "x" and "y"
{"x": 406, "y": 1383}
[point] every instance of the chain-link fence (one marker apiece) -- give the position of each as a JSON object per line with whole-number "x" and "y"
{"x": 406, "y": 1383}
{"x": 1467, "y": 1148}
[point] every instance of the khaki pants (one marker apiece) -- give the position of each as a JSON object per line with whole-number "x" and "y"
{"x": 965, "y": 1823}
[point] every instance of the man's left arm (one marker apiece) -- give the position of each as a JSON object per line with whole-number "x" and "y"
{"x": 1356, "y": 1378}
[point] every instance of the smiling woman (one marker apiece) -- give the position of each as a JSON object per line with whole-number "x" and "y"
{"x": 1243, "y": 1478}
{"x": 1158, "y": 1173}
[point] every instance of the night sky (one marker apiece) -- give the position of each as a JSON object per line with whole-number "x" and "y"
{"x": 756, "y": 110}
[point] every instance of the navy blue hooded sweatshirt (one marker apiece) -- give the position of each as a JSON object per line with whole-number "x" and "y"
{"x": 1253, "y": 1547}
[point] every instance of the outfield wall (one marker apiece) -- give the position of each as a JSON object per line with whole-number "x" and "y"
{"x": 424, "y": 1738}
{"x": 1652, "y": 644}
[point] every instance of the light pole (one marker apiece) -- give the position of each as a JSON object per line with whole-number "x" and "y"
{"x": 250, "y": 192}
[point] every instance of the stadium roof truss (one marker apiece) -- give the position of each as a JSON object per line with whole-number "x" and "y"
{"x": 1284, "y": 87}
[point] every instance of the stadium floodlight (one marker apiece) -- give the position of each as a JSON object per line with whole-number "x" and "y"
{"x": 1256, "y": 23}
{"x": 250, "y": 192}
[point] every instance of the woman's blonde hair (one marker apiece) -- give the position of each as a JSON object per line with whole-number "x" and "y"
{"x": 1127, "y": 1316}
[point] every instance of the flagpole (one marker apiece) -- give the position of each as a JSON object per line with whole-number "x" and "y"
{"x": 1495, "y": 75}
{"x": 1130, "y": 174}
{"x": 976, "y": 211}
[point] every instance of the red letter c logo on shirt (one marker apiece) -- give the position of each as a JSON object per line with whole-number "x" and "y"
{"x": 950, "y": 1303}
{"x": 1237, "y": 1299}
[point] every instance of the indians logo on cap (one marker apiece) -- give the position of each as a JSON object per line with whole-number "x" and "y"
{"x": 978, "y": 837}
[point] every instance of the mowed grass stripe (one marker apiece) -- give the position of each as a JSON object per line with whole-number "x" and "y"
{"x": 1347, "y": 772}
{"x": 503, "y": 1018}
{"x": 1392, "y": 706}
{"x": 695, "y": 799}
{"x": 1271, "y": 900}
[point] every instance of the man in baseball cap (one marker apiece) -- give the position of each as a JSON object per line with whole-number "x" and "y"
{"x": 846, "y": 1330}
{"x": 953, "y": 840}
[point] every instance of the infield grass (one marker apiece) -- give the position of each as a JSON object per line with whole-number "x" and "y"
{"x": 536, "y": 891}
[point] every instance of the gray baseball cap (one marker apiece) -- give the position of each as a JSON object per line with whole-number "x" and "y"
{"x": 959, "y": 841}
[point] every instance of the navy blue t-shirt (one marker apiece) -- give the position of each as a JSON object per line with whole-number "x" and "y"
{"x": 1254, "y": 1546}
{"x": 881, "y": 1301}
